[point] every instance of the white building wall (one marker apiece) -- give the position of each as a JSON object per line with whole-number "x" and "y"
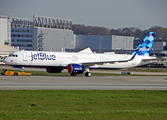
{"x": 122, "y": 42}
{"x": 3, "y": 30}
{"x": 54, "y": 39}
{"x": 93, "y": 41}
{"x": 104, "y": 42}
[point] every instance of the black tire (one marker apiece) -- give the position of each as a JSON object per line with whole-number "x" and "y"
{"x": 88, "y": 74}
{"x": 15, "y": 74}
{"x": 2, "y": 73}
{"x": 73, "y": 74}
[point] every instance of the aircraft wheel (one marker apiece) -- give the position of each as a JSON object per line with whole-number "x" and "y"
{"x": 73, "y": 74}
{"x": 15, "y": 74}
{"x": 88, "y": 74}
{"x": 2, "y": 73}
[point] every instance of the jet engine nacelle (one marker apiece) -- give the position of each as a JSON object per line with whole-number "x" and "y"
{"x": 54, "y": 70}
{"x": 75, "y": 68}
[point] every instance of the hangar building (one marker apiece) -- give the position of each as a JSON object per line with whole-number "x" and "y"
{"x": 43, "y": 34}
{"x": 104, "y": 43}
{"x": 52, "y": 34}
{"x": 55, "y": 34}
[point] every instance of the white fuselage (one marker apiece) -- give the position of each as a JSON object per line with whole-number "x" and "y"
{"x": 63, "y": 59}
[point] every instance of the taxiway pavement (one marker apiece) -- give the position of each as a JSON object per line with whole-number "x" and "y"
{"x": 83, "y": 83}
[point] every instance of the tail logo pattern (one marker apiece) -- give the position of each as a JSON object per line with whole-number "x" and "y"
{"x": 145, "y": 47}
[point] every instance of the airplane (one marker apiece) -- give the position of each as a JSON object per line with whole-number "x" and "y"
{"x": 83, "y": 61}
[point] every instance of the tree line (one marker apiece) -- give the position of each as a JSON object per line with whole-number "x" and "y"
{"x": 161, "y": 33}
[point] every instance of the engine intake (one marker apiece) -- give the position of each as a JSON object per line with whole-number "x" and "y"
{"x": 75, "y": 69}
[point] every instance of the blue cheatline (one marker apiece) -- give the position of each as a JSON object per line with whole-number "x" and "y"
{"x": 145, "y": 46}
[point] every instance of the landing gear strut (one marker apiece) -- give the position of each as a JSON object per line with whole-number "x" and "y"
{"x": 88, "y": 74}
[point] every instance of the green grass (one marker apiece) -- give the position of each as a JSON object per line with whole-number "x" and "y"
{"x": 83, "y": 104}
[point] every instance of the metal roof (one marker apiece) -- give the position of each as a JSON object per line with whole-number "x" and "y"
{"x": 6, "y": 48}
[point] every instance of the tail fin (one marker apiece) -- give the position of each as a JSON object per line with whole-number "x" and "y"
{"x": 145, "y": 46}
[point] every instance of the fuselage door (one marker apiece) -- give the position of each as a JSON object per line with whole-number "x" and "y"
{"x": 101, "y": 58}
{"x": 24, "y": 56}
{"x": 134, "y": 61}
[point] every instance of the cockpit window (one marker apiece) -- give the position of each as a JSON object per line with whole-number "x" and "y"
{"x": 10, "y": 55}
{"x": 13, "y": 55}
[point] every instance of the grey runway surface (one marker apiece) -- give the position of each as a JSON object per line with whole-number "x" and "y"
{"x": 83, "y": 83}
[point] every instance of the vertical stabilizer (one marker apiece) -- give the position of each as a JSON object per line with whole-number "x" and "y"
{"x": 145, "y": 46}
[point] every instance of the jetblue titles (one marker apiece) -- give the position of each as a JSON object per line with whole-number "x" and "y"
{"x": 143, "y": 49}
{"x": 42, "y": 56}
{"x": 80, "y": 68}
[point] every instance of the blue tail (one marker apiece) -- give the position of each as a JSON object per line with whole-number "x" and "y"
{"x": 145, "y": 46}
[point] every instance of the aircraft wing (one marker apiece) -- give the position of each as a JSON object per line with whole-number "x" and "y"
{"x": 102, "y": 62}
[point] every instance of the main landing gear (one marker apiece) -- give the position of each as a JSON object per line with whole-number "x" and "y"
{"x": 88, "y": 74}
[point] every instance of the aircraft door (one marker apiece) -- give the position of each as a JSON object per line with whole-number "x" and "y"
{"x": 101, "y": 58}
{"x": 24, "y": 56}
{"x": 134, "y": 61}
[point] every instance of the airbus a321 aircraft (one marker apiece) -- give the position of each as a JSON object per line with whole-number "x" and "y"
{"x": 77, "y": 63}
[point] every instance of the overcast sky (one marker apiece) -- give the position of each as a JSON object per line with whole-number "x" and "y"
{"x": 114, "y": 14}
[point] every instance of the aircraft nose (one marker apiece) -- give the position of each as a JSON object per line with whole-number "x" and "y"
{"x": 6, "y": 60}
